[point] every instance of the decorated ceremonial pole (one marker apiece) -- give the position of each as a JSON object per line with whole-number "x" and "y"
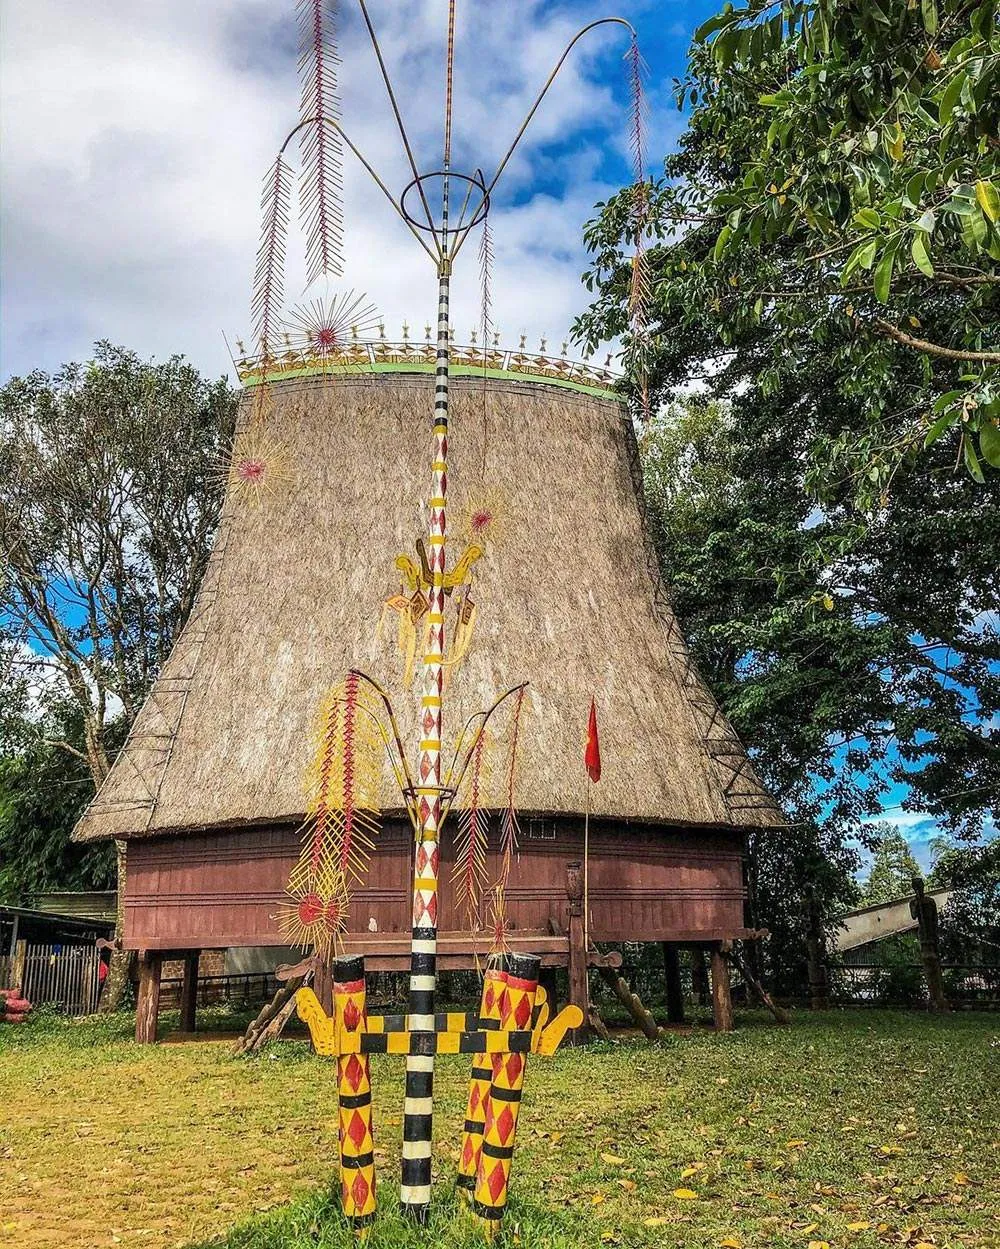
{"x": 415, "y": 1191}
{"x": 357, "y": 718}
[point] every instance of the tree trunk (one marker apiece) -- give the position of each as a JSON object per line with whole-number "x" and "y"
{"x": 122, "y": 961}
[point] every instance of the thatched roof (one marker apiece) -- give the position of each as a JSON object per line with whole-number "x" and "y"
{"x": 569, "y": 598}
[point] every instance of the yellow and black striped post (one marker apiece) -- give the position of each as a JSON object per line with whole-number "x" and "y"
{"x": 503, "y": 1101}
{"x": 357, "y": 1156}
{"x": 479, "y": 1081}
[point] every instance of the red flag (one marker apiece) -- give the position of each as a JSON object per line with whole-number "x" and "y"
{"x": 592, "y": 755}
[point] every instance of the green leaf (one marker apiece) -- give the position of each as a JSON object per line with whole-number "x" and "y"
{"x": 938, "y": 428}
{"x": 883, "y": 276}
{"x": 918, "y": 249}
{"x": 866, "y": 254}
{"x": 712, "y": 25}
{"x": 972, "y": 461}
{"x": 989, "y": 442}
{"x": 950, "y": 96}
{"x": 867, "y": 218}
{"x": 720, "y": 243}
{"x": 928, "y": 10}
{"x": 914, "y": 187}
{"x": 989, "y": 199}
{"x": 946, "y": 400}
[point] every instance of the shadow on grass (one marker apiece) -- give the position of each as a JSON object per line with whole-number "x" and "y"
{"x": 315, "y": 1221}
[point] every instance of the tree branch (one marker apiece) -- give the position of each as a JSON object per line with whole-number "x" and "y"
{"x": 934, "y": 349}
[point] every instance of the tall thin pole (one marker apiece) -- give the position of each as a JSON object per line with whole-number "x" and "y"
{"x": 415, "y": 1191}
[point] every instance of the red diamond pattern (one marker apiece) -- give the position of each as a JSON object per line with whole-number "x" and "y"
{"x": 352, "y": 1016}
{"x": 515, "y": 1065}
{"x": 421, "y": 859}
{"x": 467, "y": 1153}
{"x": 432, "y": 910}
{"x": 354, "y": 1071}
{"x": 474, "y": 1097}
{"x": 359, "y": 1190}
{"x": 357, "y": 1130}
{"x": 496, "y": 1181}
{"x": 490, "y": 997}
{"x": 418, "y": 909}
{"x": 522, "y": 1011}
{"x": 505, "y": 1124}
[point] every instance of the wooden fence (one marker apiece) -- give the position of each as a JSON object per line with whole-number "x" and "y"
{"x": 63, "y": 976}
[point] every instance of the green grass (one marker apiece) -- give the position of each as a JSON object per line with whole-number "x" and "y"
{"x": 787, "y": 1136}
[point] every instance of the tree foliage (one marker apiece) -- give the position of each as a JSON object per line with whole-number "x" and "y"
{"x": 835, "y": 194}
{"x": 42, "y": 789}
{"x": 110, "y": 488}
{"x": 893, "y": 866}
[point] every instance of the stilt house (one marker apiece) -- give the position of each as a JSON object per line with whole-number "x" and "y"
{"x": 208, "y": 792}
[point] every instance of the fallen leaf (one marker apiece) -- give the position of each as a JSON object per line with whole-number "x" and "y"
{"x": 656, "y": 1220}
{"x": 890, "y": 1149}
{"x": 693, "y": 1169}
{"x": 613, "y": 1160}
{"x": 960, "y": 1177}
{"x": 858, "y": 1227}
{"x": 794, "y": 1144}
{"x": 730, "y": 1242}
{"x": 628, "y": 1185}
{"x": 685, "y": 1194}
{"x": 597, "y": 1199}
{"x": 819, "y": 1244}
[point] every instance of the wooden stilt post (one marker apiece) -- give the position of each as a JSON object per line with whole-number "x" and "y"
{"x": 147, "y": 1008}
{"x": 924, "y": 911}
{"x": 675, "y": 990}
{"x": 549, "y": 982}
{"x": 323, "y": 985}
{"x": 189, "y": 991}
{"x": 722, "y": 1000}
{"x": 18, "y": 964}
{"x": 699, "y": 975}
{"x": 579, "y": 994}
{"x": 819, "y": 982}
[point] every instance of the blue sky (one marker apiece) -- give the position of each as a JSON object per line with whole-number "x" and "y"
{"x": 136, "y": 136}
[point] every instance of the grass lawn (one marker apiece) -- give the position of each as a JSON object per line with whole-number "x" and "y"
{"x": 855, "y": 1129}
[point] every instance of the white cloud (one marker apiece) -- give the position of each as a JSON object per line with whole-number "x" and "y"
{"x": 136, "y": 136}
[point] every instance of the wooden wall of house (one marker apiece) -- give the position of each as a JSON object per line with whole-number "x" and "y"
{"x": 217, "y": 889}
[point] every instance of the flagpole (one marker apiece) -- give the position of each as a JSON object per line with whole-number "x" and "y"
{"x": 586, "y": 870}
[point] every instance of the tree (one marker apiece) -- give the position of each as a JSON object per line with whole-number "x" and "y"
{"x": 826, "y": 638}
{"x": 826, "y": 517}
{"x": 42, "y": 789}
{"x": 836, "y": 193}
{"x": 111, "y": 480}
{"x": 893, "y": 866}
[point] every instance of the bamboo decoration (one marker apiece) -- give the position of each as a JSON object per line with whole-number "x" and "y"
{"x": 479, "y": 1080}
{"x": 354, "y": 1089}
{"x": 503, "y": 1099}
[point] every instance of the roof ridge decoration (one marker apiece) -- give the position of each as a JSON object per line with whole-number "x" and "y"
{"x": 321, "y": 350}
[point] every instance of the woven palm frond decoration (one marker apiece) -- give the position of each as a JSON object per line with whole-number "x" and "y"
{"x": 269, "y": 275}
{"x": 258, "y": 463}
{"x": 342, "y": 812}
{"x": 640, "y": 287}
{"x": 321, "y": 178}
{"x": 472, "y": 818}
{"x": 510, "y": 830}
{"x": 327, "y": 328}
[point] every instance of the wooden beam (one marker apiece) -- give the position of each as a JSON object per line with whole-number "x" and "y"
{"x": 722, "y": 999}
{"x": 147, "y": 1007}
{"x": 189, "y": 991}
{"x": 675, "y": 990}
